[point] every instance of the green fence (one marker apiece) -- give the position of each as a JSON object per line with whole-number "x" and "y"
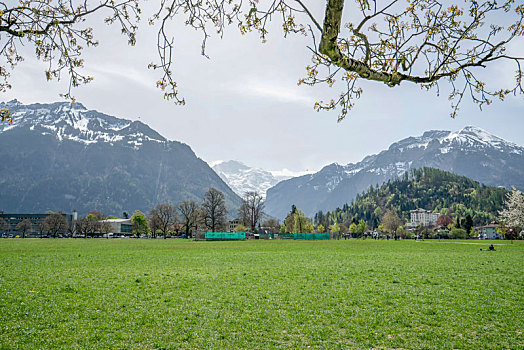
{"x": 313, "y": 235}
{"x": 283, "y": 235}
{"x": 225, "y": 235}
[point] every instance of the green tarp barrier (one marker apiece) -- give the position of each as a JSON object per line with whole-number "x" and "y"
{"x": 313, "y": 235}
{"x": 284, "y": 235}
{"x": 225, "y": 235}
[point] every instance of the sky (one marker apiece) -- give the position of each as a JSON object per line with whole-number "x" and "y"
{"x": 243, "y": 102}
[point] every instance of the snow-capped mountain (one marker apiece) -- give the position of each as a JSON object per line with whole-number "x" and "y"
{"x": 471, "y": 152}
{"x": 242, "y": 178}
{"x": 74, "y": 122}
{"x": 62, "y": 156}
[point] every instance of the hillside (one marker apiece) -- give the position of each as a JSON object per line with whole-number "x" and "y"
{"x": 470, "y": 152}
{"x": 426, "y": 188}
{"x": 62, "y": 157}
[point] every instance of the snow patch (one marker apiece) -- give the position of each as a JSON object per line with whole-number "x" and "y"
{"x": 74, "y": 122}
{"x": 290, "y": 173}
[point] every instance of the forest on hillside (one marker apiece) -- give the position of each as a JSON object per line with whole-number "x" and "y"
{"x": 428, "y": 188}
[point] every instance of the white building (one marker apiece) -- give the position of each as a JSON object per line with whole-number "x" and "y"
{"x": 422, "y": 217}
{"x": 488, "y": 231}
{"x": 120, "y": 226}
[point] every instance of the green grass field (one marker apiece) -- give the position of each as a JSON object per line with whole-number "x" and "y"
{"x": 170, "y": 294}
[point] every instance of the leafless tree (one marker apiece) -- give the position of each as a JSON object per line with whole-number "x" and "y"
{"x": 105, "y": 228}
{"x": 81, "y": 227}
{"x": 4, "y": 226}
{"x": 154, "y": 226}
{"x": 42, "y": 228}
{"x": 272, "y": 224}
{"x": 163, "y": 216}
{"x": 92, "y": 225}
{"x": 214, "y": 210}
{"x": 72, "y": 229}
{"x": 189, "y": 214}
{"x": 251, "y": 209}
{"x": 24, "y": 226}
{"x": 89, "y": 226}
{"x": 56, "y": 222}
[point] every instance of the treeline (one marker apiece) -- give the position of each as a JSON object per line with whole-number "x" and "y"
{"x": 164, "y": 219}
{"x": 182, "y": 219}
{"x": 427, "y": 188}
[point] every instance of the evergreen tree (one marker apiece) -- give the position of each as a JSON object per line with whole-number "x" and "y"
{"x": 457, "y": 223}
{"x": 427, "y": 188}
{"x": 468, "y": 224}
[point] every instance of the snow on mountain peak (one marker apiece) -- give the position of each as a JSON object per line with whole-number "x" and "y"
{"x": 242, "y": 178}
{"x": 74, "y": 122}
{"x": 468, "y": 135}
{"x": 475, "y": 136}
{"x": 470, "y": 151}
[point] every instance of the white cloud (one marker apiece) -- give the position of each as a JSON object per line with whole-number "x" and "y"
{"x": 272, "y": 90}
{"x": 133, "y": 75}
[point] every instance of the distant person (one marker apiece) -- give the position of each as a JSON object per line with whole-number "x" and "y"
{"x": 491, "y": 248}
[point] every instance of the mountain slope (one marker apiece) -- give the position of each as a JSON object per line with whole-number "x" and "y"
{"x": 471, "y": 152}
{"x": 426, "y": 188}
{"x": 242, "y": 178}
{"x": 63, "y": 157}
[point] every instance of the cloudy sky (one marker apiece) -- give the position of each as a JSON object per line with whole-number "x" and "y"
{"x": 243, "y": 103}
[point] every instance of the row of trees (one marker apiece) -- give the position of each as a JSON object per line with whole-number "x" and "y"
{"x": 212, "y": 215}
{"x": 512, "y": 216}
{"x": 186, "y": 217}
{"x": 52, "y": 225}
{"x": 163, "y": 219}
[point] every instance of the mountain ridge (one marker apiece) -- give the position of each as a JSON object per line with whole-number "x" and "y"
{"x": 63, "y": 156}
{"x": 470, "y": 152}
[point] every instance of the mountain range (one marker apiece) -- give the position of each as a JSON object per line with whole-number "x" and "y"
{"x": 62, "y": 156}
{"x": 471, "y": 152}
{"x": 242, "y": 178}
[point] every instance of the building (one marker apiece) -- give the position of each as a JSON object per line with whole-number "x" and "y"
{"x": 121, "y": 227}
{"x": 232, "y": 224}
{"x": 14, "y": 219}
{"x": 488, "y": 231}
{"x": 422, "y": 217}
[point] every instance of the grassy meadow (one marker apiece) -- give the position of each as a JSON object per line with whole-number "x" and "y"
{"x": 181, "y": 294}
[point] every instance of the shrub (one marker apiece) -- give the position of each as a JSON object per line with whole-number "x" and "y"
{"x": 458, "y": 233}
